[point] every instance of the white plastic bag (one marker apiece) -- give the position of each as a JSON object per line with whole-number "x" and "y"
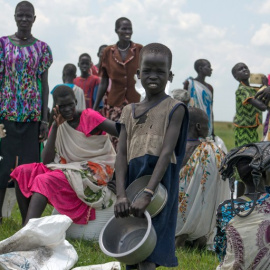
{"x": 105, "y": 266}
{"x": 220, "y": 143}
{"x": 40, "y": 245}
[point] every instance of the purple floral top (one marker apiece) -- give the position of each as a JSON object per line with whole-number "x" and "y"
{"x": 20, "y": 73}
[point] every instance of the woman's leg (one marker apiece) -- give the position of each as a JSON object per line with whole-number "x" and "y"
{"x": 36, "y": 207}
{"x": 2, "y": 197}
{"x": 23, "y": 202}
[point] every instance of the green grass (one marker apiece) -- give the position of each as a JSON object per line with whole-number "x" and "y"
{"x": 89, "y": 252}
{"x": 225, "y": 131}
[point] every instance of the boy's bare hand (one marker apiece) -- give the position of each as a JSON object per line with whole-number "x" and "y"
{"x": 121, "y": 207}
{"x": 138, "y": 207}
{"x": 58, "y": 118}
{"x": 3, "y": 133}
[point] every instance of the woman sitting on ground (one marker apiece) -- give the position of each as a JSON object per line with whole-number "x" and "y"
{"x": 201, "y": 188}
{"x": 78, "y": 162}
{"x": 243, "y": 227}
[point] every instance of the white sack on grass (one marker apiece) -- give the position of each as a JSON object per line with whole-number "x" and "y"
{"x": 40, "y": 245}
{"x": 105, "y": 266}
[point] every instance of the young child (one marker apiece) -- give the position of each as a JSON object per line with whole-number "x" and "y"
{"x": 69, "y": 74}
{"x": 201, "y": 92}
{"x": 152, "y": 142}
{"x": 248, "y": 115}
{"x": 89, "y": 83}
{"x": 100, "y": 54}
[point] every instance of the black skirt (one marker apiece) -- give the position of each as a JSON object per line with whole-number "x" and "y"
{"x": 22, "y": 142}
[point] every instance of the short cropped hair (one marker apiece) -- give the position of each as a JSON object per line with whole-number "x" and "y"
{"x": 26, "y": 3}
{"x": 62, "y": 91}
{"x": 196, "y": 115}
{"x": 156, "y": 48}
{"x": 198, "y": 63}
{"x": 118, "y": 22}
{"x": 234, "y": 69}
{"x": 83, "y": 55}
{"x": 70, "y": 70}
{"x": 101, "y": 47}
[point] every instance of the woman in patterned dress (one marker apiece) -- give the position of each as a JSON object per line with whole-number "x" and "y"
{"x": 244, "y": 242}
{"x": 24, "y": 64}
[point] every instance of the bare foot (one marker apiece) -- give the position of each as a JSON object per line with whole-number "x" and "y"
{"x": 180, "y": 240}
{"x": 200, "y": 243}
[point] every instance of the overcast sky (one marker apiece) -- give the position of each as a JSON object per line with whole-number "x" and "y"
{"x": 224, "y": 32}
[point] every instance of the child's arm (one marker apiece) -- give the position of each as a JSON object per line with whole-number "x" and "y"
{"x": 258, "y": 104}
{"x": 121, "y": 208}
{"x": 138, "y": 207}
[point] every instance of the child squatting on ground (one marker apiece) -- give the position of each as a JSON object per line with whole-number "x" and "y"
{"x": 152, "y": 142}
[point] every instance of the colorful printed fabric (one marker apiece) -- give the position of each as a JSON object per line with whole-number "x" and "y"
{"x": 76, "y": 182}
{"x": 145, "y": 137}
{"x": 201, "y": 97}
{"x": 247, "y": 115}
{"x": 225, "y": 218}
{"x": 201, "y": 191}
{"x": 90, "y": 87}
{"x": 20, "y": 69}
{"x": 114, "y": 114}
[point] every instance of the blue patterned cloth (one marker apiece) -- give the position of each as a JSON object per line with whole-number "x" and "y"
{"x": 224, "y": 216}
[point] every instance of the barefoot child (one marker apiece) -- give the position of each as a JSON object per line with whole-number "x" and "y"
{"x": 76, "y": 165}
{"x": 248, "y": 115}
{"x": 201, "y": 92}
{"x": 152, "y": 142}
{"x": 88, "y": 83}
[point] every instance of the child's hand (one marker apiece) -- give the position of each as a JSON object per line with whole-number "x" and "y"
{"x": 2, "y": 131}
{"x": 138, "y": 207}
{"x": 58, "y": 118}
{"x": 121, "y": 207}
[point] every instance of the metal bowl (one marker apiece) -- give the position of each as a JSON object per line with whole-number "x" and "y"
{"x": 159, "y": 199}
{"x": 129, "y": 240}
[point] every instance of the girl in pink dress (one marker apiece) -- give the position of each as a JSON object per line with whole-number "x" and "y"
{"x": 78, "y": 162}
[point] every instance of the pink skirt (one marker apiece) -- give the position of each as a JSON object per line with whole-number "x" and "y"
{"x": 36, "y": 177}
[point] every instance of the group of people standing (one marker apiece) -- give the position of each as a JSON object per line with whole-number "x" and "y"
{"x": 88, "y": 166}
